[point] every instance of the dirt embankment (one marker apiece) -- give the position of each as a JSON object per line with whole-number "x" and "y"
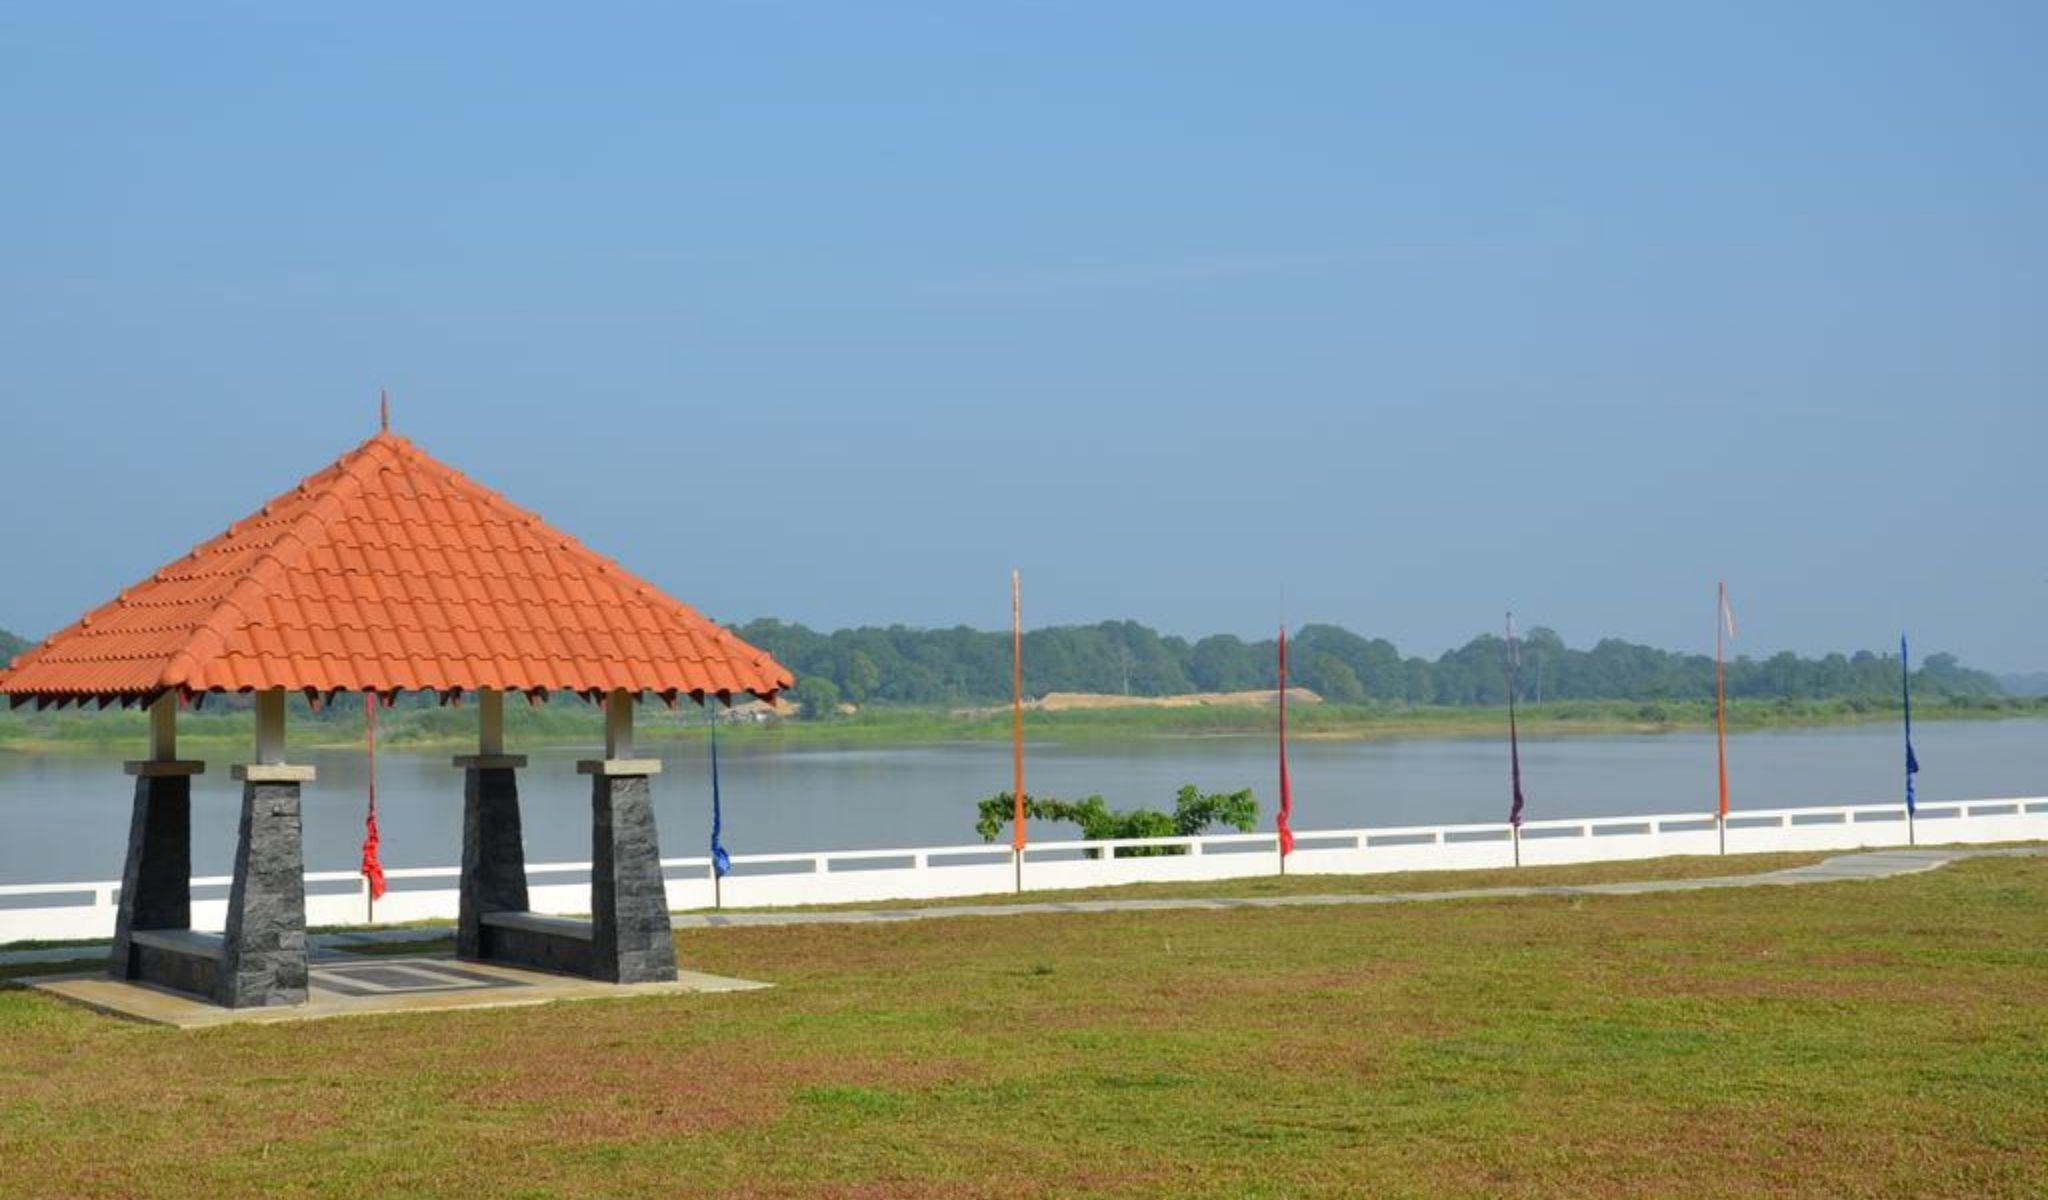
{"x": 1081, "y": 701}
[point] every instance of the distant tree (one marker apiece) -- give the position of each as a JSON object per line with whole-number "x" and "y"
{"x": 1225, "y": 664}
{"x": 1942, "y": 673}
{"x": 817, "y": 698}
{"x": 10, "y": 646}
{"x": 861, "y": 677}
{"x": 1543, "y": 664}
{"x": 2033, "y": 683}
{"x": 1372, "y": 665}
{"x": 1421, "y": 687}
{"x": 1331, "y": 678}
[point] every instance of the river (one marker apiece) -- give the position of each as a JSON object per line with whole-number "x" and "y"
{"x": 64, "y": 815}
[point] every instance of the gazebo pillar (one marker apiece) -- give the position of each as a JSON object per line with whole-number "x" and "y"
{"x": 631, "y": 939}
{"x": 156, "y": 883}
{"x": 263, "y": 952}
{"x": 493, "y": 846}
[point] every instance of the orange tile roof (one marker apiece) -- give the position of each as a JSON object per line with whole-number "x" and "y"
{"x": 390, "y": 571}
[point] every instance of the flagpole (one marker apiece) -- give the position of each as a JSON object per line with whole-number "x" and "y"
{"x": 718, "y": 864}
{"x": 1017, "y": 728}
{"x": 1721, "y": 716}
{"x": 370, "y": 741}
{"x": 717, "y": 876}
{"x": 1912, "y": 762}
{"x": 1513, "y": 670}
{"x": 1283, "y": 823}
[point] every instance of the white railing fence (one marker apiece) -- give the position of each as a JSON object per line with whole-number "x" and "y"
{"x": 86, "y": 910}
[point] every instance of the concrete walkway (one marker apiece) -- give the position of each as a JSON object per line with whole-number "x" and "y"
{"x": 1882, "y": 864}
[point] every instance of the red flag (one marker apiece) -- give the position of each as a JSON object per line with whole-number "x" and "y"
{"x": 372, "y": 870}
{"x": 1286, "y": 792}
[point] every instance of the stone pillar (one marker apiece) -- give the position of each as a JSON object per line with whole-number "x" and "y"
{"x": 630, "y": 934}
{"x": 263, "y": 953}
{"x": 156, "y": 885}
{"x": 493, "y": 848}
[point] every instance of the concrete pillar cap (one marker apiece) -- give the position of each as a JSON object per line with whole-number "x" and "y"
{"x": 273, "y": 772}
{"x": 153, "y": 768}
{"x": 490, "y": 762}
{"x": 619, "y": 766}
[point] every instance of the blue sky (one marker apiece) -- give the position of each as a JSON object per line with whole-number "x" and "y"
{"x": 1394, "y": 316}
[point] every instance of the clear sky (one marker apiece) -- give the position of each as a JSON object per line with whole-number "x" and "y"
{"x": 1398, "y": 316}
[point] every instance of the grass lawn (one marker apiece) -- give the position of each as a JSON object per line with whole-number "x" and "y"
{"x": 1883, "y": 1038}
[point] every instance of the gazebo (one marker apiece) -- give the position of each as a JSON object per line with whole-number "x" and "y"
{"x": 388, "y": 572}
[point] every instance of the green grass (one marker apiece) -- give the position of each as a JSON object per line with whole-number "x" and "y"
{"x": 565, "y": 722}
{"x": 1847, "y": 1040}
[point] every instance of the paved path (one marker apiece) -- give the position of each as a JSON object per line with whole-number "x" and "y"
{"x": 1882, "y": 864}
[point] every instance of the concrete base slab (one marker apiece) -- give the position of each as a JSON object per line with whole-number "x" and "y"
{"x": 360, "y": 985}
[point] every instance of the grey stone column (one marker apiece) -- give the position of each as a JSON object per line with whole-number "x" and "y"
{"x": 263, "y": 954}
{"x": 631, "y": 938}
{"x": 156, "y": 885}
{"x": 493, "y": 847}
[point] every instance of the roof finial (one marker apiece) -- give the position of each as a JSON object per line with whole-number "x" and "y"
{"x": 383, "y": 410}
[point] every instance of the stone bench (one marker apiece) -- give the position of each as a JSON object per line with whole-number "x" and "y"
{"x": 179, "y": 959}
{"x": 527, "y": 939}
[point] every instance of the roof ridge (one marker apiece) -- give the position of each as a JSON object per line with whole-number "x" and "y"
{"x": 235, "y": 608}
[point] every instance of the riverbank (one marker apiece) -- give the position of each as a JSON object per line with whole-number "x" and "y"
{"x": 570, "y": 722}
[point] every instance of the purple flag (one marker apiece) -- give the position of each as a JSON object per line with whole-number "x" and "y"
{"x": 1514, "y": 668}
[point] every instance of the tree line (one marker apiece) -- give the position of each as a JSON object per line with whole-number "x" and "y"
{"x": 901, "y": 665}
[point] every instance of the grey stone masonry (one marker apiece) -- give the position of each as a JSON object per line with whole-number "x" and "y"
{"x": 493, "y": 855}
{"x": 632, "y": 941}
{"x": 156, "y": 885}
{"x": 263, "y": 954}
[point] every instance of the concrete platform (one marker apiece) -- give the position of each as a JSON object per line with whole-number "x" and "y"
{"x": 361, "y": 985}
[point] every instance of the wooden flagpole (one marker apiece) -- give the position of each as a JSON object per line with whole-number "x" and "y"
{"x": 1284, "y": 824}
{"x": 1912, "y": 760}
{"x": 1513, "y": 670}
{"x": 1721, "y": 715}
{"x": 1017, "y": 727}
{"x": 370, "y": 740}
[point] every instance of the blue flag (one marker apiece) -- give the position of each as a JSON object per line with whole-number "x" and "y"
{"x": 720, "y": 861}
{"x": 1906, "y": 697}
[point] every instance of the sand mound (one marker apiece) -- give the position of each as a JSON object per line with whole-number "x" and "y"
{"x": 1075, "y": 701}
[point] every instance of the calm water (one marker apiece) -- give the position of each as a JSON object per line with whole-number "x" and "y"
{"x": 64, "y": 817}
